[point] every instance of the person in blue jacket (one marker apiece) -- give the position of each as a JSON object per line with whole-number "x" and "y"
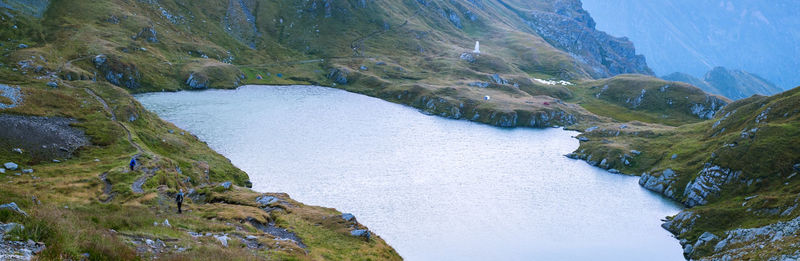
{"x": 133, "y": 163}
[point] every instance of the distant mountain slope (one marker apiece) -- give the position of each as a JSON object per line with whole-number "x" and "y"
{"x": 567, "y": 26}
{"x": 734, "y": 84}
{"x": 694, "y": 36}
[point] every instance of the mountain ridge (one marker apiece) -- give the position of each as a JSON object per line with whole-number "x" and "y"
{"x": 734, "y": 84}
{"x": 695, "y": 36}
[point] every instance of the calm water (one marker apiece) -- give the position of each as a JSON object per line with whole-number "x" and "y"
{"x": 435, "y": 189}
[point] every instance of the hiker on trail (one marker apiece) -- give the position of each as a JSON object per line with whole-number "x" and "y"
{"x": 133, "y": 163}
{"x": 179, "y": 200}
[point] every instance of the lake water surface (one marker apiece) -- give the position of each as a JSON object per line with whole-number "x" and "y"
{"x": 433, "y": 188}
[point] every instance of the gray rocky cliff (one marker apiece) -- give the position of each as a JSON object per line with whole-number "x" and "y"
{"x": 567, "y": 26}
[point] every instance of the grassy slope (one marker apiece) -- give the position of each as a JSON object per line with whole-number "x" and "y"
{"x": 72, "y": 218}
{"x": 765, "y": 159}
{"x": 75, "y": 184}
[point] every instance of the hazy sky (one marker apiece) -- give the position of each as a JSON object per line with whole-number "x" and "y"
{"x": 693, "y": 36}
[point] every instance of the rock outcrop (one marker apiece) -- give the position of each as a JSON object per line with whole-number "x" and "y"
{"x": 149, "y": 34}
{"x": 681, "y": 223}
{"x": 14, "y": 208}
{"x": 240, "y": 22}
{"x": 709, "y": 183}
{"x": 117, "y": 72}
{"x": 740, "y": 241}
{"x": 661, "y": 183}
{"x": 338, "y": 76}
{"x": 197, "y": 81}
{"x": 469, "y": 110}
{"x": 709, "y": 108}
{"x": 13, "y": 94}
{"x": 570, "y": 28}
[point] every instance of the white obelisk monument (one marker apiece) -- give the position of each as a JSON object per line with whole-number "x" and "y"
{"x": 477, "y": 47}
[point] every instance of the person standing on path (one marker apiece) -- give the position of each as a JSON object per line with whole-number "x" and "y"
{"x": 133, "y": 163}
{"x": 179, "y": 200}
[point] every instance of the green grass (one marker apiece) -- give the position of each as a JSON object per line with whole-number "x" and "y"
{"x": 616, "y": 100}
{"x": 765, "y": 160}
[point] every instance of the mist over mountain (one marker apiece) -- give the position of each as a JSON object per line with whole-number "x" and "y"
{"x": 695, "y": 36}
{"x": 733, "y": 84}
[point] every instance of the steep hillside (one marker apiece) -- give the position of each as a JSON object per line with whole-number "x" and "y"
{"x": 567, "y": 26}
{"x": 737, "y": 172}
{"x": 734, "y": 84}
